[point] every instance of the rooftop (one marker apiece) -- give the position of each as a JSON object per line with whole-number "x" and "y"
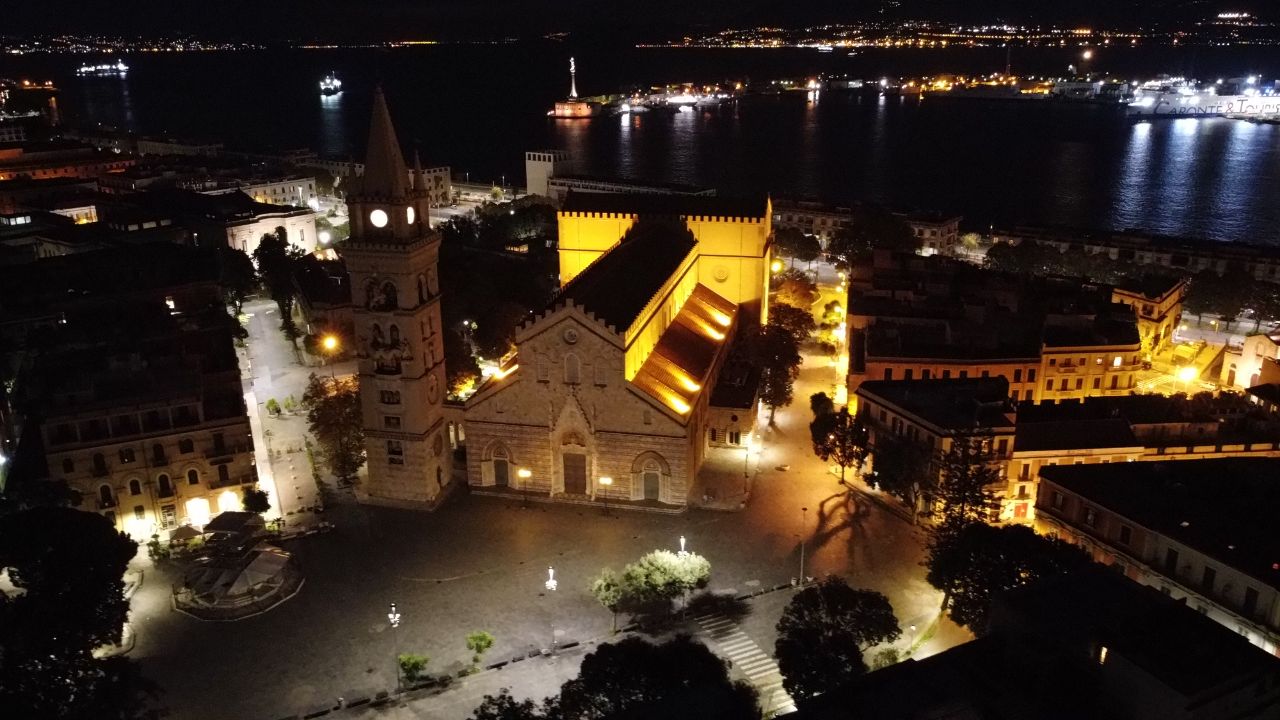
{"x": 680, "y": 365}
{"x": 1224, "y": 508}
{"x": 955, "y": 404}
{"x": 1269, "y": 392}
{"x": 618, "y": 285}
{"x": 1074, "y": 435}
{"x": 1151, "y": 285}
{"x": 666, "y": 205}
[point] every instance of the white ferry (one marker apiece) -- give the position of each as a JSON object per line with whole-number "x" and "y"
{"x": 119, "y": 69}
{"x": 330, "y": 85}
{"x": 1181, "y": 98}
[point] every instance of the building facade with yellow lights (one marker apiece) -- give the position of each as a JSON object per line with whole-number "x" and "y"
{"x": 609, "y": 396}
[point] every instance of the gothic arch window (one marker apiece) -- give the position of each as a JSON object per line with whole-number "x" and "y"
{"x": 105, "y": 498}
{"x": 422, "y": 289}
{"x": 376, "y": 338}
{"x": 135, "y": 487}
{"x": 390, "y": 301}
{"x": 394, "y": 335}
{"x": 499, "y": 464}
{"x": 164, "y": 485}
{"x": 650, "y": 476}
{"x": 572, "y": 369}
{"x": 193, "y": 477}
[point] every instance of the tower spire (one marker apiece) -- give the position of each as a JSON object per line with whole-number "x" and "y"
{"x": 419, "y": 182}
{"x": 573, "y": 79}
{"x": 384, "y": 172}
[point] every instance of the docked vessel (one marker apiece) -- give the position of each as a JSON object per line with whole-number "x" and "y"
{"x": 118, "y": 69}
{"x": 1176, "y": 97}
{"x": 330, "y": 85}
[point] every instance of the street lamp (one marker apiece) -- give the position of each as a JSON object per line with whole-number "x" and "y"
{"x": 606, "y": 482}
{"x": 551, "y": 586}
{"x": 393, "y": 618}
{"x": 330, "y": 344}
{"x": 524, "y": 474}
{"x": 804, "y": 525}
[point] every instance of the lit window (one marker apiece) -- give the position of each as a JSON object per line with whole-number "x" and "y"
{"x": 1115, "y": 362}
{"x": 1102, "y": 655}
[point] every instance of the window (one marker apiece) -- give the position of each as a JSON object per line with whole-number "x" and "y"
{"x": 394, "y": 447}
{"x": 572, "y": 369}
{"x": 946, "y": 374}
{"x": 68, "y": 465}
{"x": 1048, "y": 384}
{"x": 1115, "y": 362}
{"x": 1115, "y": 379}
{"x": 168, "y": 516}
{"x": 1097, "y": 383}
{"x": 1024, "y": 472}
{"x": 389, "y": 397}
{"x": 1053, "y": 362}
{"x": 157, "y": 454}
{"x": 1017, "y": 375}
{"x": 99, "y": 464}
{"x": 888, "y": 373}
{"x": 1031, "y": 375}
{"x": 164, "y": 486}
{"x": 601, "y": 371}
{"x": 1250, "y": 605}
{"x": 224, "y": 475}
{"x": 544, "y": 370}
{"x": 139, "y": 512}
{"x": 127, "y": 456}
{"x": 185, "y": 445}
{"x": 1079, "y": 383}
{"x": 1027, "y": 395}
{"x": 735, "y": 437}
{"x": 924, "y": 374}
{"x": 1090, "y": 517}
{"x": 391, "y": 422}
{"x": 193, "y": 477}
{"x": 906, "y": 374}
{"x": 1126, "y": 534}
{"x": 1208, "y": 579}
{"x": 712, "y": 434}
{"x": 135, "y": 487}
{"x": 1022, "y": 491}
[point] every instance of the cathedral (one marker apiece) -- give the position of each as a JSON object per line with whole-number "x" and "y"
{"x": 620, "y": 387}
{"x": 617, "y": 391}
{"x": 392, "y": 258}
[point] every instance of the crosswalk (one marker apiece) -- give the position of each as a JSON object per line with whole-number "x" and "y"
{"x": 759, "y": 668}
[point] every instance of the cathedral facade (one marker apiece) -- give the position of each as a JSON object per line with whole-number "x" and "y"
{"x": 615, "y": 391}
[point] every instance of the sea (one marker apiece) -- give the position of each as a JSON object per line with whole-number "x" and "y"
{"x": 479, "y": 107}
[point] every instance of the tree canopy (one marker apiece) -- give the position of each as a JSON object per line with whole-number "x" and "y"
{"x": 902, "y": 469}
{"x": 966, "y": 476}
{"x": 799, "y": 322}
{"x": 333, "y": 416}
{"x": 824, "y": 632}
{"x": 797, "y": 245}
{"x": 795, "y": 288}
{"x": 869, "y": 229}
{"x": 70, "y": 566}
{"x": 840, "y": 438}
{"x": 777, "y": 353}
{"x": 974, "y": 562}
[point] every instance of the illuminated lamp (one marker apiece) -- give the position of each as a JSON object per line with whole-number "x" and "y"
{"x": 228, "y": 502}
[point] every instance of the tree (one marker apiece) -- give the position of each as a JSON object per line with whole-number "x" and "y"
{"x": 797, "y": 245}
{"x": 775, "y": 350}
{"x": 504, "y": 707}
{"x": 236, "y": 276}
{"x": 608, "y": 591}
{"x": 902, "y": 470}
{"x": 821, "y": 404}
{"x": 966, "y": 474}
{"x": 255, "y": 501}
{"x": 634, "y": 679}
{"x": 479, "y": 643}
{"x": 461, "y": 368}
{"x": 661, "y": 575}
{"x": 412, "y": 666}
{"x": 840, "y": 438}
{"x": 794, "y": 320}
{"x": 975, "y": 562}
{"x": 276, "y": 259}
{"x": 70, "y": 566}
{"x": 870, "y": 228}
{"x": 794, "y": 288}
{"x": 496, "y": 328}
{"x": 333, "y": 415}
{"x": 824, "y": 632}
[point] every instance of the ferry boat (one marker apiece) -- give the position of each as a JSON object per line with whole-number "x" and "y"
{"x": 1177, "y": 97}
{"x": 119, "y": 69}
{"x": 330, "y": 85}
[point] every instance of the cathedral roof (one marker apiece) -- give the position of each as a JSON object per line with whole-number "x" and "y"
{"x": 656, "y": 205}
{"x": 385, "y": 174}
{"x": 618, "y": 285}
{"x": 680, "y": 365}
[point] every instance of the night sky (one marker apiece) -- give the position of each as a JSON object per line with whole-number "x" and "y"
{"x": 445, "y": 19}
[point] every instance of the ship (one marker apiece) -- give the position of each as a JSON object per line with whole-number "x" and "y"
{"x": 118, "y": 69}
{"x": 1175, "y": 98}
{"x": 330, "y": 85}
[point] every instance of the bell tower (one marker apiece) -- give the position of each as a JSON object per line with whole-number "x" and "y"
{"x": 392, "y": 259}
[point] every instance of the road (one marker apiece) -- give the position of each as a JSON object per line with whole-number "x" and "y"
{"x": 481, "y": 562}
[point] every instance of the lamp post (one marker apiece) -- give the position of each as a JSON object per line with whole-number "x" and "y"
{"x": 330, "y": 345}
{"x": 804, "y": 525}
{"x": 393, "y": 618}
{"x": 606, "y": 482}
{"x": 551, "y": 584}
{"x": 524, "y": 474}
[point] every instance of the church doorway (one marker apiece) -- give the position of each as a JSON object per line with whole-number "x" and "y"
{"x": 500, "y": 470}
{"x": 652, "y": 483}
{"x": 575, "y": 474}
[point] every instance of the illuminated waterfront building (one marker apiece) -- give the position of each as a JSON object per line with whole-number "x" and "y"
{"x": 612, "y": 392}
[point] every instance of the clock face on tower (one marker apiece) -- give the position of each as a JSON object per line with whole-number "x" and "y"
{"x": 409, "y": 214}
{"x": 378, "y": 218}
